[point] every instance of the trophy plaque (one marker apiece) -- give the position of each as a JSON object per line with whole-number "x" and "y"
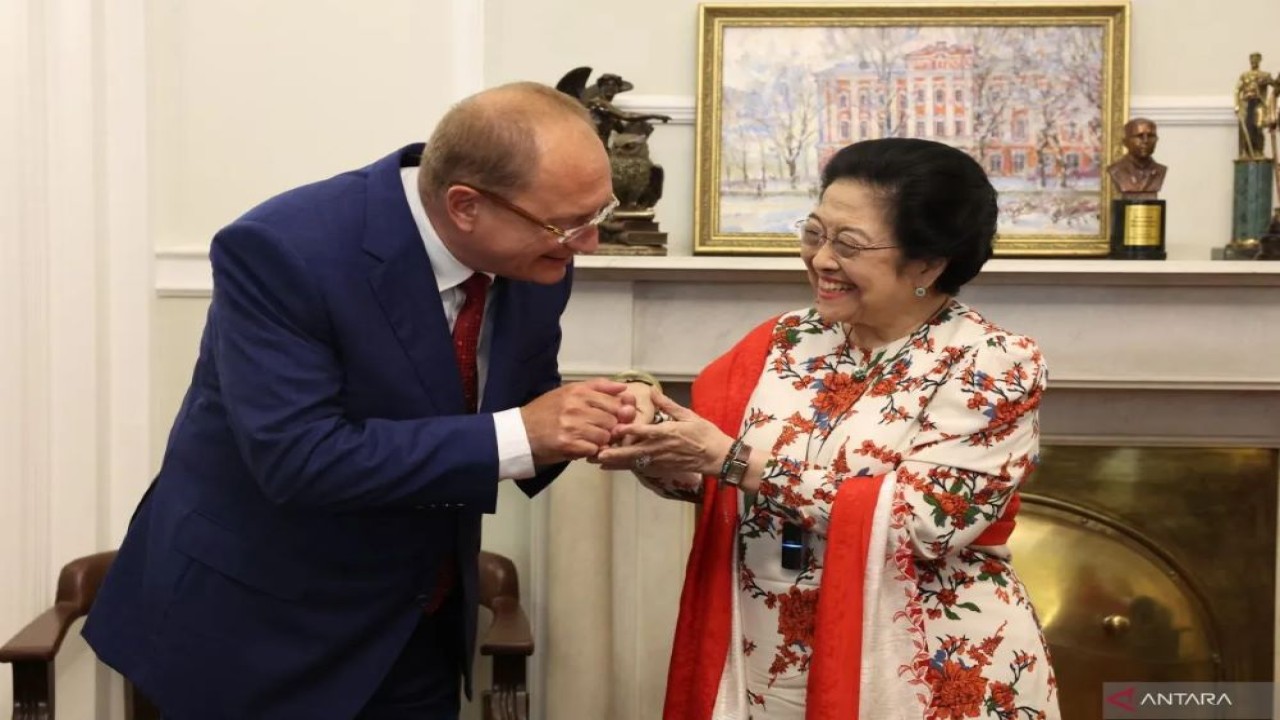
{"x": 1137, "y": 229}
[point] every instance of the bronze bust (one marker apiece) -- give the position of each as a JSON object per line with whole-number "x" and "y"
{"x": 1136, "y": 175}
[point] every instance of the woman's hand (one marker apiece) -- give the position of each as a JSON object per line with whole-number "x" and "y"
{"x": 684, "y": 444}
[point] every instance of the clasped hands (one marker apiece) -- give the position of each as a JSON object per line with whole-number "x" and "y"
{"x": 611, "y": 424}
{"x": 684, "y": 447}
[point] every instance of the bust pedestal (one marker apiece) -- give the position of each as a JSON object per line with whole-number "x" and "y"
{"x": 1137, "y": 229}
{"x": 632, "y": 232}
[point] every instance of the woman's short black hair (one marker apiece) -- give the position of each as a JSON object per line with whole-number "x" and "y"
{"x": 939, "y": 201}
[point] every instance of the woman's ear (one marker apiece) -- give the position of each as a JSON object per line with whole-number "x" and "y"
{"x": 924, "y": 273}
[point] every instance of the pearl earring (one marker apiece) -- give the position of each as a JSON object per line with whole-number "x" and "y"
{"x": 920, "y": 292}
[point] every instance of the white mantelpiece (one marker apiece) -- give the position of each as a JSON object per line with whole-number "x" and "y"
{"x": 1102, "y": 324}
{"x": 1168, "y": 331}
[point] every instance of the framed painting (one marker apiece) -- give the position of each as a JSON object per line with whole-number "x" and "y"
{"x": 1038, "y": 94}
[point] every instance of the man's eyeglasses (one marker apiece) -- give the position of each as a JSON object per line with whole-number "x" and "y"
{"x": 844, "y": 244}
{"x": 563, "y": 236}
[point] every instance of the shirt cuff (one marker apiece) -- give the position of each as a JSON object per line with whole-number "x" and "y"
{"x": 515, "y": 457}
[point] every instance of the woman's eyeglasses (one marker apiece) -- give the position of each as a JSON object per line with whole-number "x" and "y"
{"x": 844, "y": 244}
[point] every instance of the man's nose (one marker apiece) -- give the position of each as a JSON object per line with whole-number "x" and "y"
{"x": 586, "y": 242}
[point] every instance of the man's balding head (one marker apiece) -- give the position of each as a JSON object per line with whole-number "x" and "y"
{"x": 493, "y": 138}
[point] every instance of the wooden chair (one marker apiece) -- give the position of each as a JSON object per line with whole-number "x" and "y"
{"x": 32, "y": 651}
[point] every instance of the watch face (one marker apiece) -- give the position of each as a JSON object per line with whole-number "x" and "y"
{"x": 737, "y": 469}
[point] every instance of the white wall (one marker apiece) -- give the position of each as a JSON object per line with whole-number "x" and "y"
{"x": 250, "y": 98}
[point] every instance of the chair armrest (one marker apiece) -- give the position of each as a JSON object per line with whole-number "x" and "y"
{"x": 509, "y": 633}
{"x": 40, "y": 639}
{"x": 77, "y": 587}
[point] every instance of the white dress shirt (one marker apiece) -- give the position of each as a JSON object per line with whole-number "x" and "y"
{"x": 515, "y": 457}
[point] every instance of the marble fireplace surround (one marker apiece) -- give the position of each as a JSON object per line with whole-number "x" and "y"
{"x": 1140, "y": 353}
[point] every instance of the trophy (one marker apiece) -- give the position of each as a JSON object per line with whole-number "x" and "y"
{"x": 1255, "y": 173}
{"x": 1137, "y": 216}
{"x": 637, "y": 180}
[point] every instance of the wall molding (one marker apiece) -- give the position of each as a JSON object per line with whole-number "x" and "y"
{"x": 681, "y": 108}
{"x": 1169, "y": 110}
{"x": 184, "y": 271}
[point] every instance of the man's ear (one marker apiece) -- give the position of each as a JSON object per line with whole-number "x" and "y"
{"x": 462, "y": 205}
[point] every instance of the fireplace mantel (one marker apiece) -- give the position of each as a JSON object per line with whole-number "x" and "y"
{"x": 1166, "y": 350}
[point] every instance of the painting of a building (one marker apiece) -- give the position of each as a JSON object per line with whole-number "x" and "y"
{"x": 932, "y": 93}
{"x": 1024, "y": 101}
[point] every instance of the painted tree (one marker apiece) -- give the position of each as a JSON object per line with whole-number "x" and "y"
{"x": 1081, "y": 53}
{"x": 741, "y": 127}
{"x": 990, "y": 92}
{"x": 792, "y": 122}
{"x": 1047, "y": 95}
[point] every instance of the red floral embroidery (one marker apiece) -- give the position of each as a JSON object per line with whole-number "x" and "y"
{"x": 959, "y": 691}
{"x": 796, "y": 612}
{"x": 839, "y": 392}
{"x": 1002, "y": 695}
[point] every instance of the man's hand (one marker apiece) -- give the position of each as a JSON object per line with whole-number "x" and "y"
{"x": 576, "y": 420}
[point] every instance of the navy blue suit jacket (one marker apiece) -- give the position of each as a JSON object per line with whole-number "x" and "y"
{"x": 322, "y": 466}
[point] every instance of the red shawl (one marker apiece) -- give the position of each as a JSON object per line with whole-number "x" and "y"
{"x": 720, "y": 394}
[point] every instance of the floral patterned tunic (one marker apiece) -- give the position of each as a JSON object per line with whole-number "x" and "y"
{"x": 949, "y": 412}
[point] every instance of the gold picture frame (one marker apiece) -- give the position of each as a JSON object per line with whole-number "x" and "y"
{"x": 1037, "y": 92}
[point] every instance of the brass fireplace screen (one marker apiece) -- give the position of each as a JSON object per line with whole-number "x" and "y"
{"x": 1150, "y": 564}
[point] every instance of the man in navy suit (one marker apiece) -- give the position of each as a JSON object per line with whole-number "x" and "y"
{"x": 308, "y": 549}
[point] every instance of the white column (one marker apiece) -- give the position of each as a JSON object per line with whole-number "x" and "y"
{"x": 576, "y": 653}
{"x": 75, "y": 286}
{"x": 23, "y": 329}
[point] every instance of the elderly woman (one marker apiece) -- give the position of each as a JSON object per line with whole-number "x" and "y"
{"x": 858, "y": 464}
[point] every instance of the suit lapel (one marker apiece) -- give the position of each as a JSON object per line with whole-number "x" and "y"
{"x": 405, "y": 285}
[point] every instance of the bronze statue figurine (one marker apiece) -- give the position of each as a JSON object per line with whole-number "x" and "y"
{"x": 1136, "y": 175}
{"x": 637, "y": 180}
{"x": 1255, "y": 109}
{"x": 1255, "y": 230}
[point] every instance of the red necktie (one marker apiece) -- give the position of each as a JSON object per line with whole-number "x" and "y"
{"x": 466, "y": 341}
{"x": 466, "y": 335}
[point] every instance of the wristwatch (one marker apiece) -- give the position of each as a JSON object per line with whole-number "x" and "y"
{"x": 735, "y": 464}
